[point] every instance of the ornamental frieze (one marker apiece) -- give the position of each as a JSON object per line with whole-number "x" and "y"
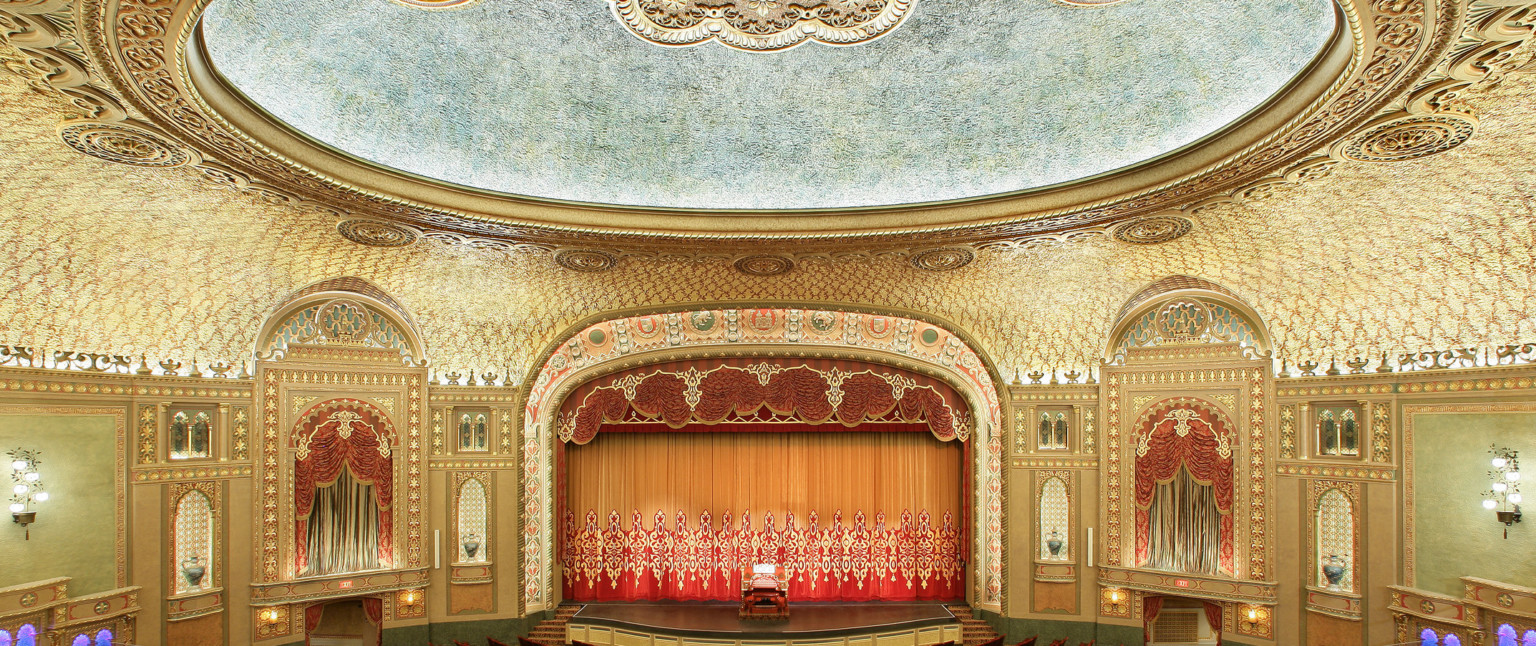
{"x": 113, "y": 59}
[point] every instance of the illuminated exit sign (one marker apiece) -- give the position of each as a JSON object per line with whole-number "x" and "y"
{"x": 1183, "y": 583}
{"x": 347, "y": 584}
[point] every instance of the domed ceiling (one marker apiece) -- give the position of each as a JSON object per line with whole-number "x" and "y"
{"x": 559, "y": 100}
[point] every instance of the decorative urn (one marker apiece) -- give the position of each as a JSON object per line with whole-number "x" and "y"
{"x": 1054, "y": 544}
{"x": 471, "y": 546}
{"x": 193, "y": 569}
{"x": 1333, "y": 571}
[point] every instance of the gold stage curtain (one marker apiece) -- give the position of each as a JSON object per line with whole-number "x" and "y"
{"x": 719, "y": 482}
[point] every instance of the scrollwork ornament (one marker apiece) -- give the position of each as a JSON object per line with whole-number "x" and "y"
{"x": 1413, "y": 137}
{"x": 1155, "y": 229}
{"x": 585, "y": 260}
{"x": 374, "y": 233}
{"x": 943, "y": 258}
{"x": 759, "y": 25}
{"x": 123, "y": 143}
{"x": 764, "y": 265}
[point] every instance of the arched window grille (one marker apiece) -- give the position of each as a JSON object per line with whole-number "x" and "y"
{"x": 1055, "y": 518}
{"x": 472, "y": 522}
{"x": 193, "y": 537}
{"x": 1335, "y": 539}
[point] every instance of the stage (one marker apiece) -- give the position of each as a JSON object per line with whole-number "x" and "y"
{"x": 714, "y": 623}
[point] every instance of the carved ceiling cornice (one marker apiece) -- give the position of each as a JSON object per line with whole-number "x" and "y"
{"x": 1386, "y": 88}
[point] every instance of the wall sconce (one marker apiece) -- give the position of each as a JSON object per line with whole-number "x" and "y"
{"x": 1503, "y": 496}
{"x": 1117, "y": 602}
{"x": 411, "y": 601}
{"x": 269, "y": 616}
{"x": 1254, "y": 620}
{"x": 27, "y": 488}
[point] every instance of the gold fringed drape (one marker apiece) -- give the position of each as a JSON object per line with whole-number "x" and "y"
{"x": 1185, "y": 527}
{"x": 716, "y": 492}
{"x": 343, "y": 532}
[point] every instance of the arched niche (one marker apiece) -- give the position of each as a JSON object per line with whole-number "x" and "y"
{"x": 328, "y": 318}
{"x": 1191, "y": 339}
{"x": 345, "y": 441}
{"x": 611, "y": 343}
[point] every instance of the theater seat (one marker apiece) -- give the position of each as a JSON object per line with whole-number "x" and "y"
{"x": 996, "y": 641}
{"x": 1028, "y": 642}
{"x": 524, "y": 641}
{"x": 492, "y": 641}
{"x": 1060, "y": 642}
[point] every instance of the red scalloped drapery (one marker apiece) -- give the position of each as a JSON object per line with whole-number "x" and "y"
{"x": 846, "y": 392}
{"x": 1189, "y": 434}
{"x": 337, "y": 434}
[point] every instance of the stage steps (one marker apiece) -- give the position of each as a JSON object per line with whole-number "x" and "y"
{"x": 972, "y": 630}
{"x": 552, "y": 631}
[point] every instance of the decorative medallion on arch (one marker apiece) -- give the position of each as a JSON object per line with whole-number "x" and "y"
{"x": 340, "y": 319}
{"x": 840, "y": 394}
{"x": 760, "y": 25}
{"x": 591, "y": 357}
{"x": 1184, "y": 310}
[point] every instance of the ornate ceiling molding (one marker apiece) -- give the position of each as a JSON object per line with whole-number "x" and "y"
{"x": 760, "y": 25}
{"x": 1387, "y": 87}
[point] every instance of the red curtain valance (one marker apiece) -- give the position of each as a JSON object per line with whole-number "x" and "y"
{"x": 337, "y": 434}
{"x": 810, "y": 391}
{"x": 1184, "y": 433}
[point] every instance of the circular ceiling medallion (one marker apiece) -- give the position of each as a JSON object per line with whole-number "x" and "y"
{"x": 1409, "y": 138}
{"x": 1153, "y": 229}
{"x": 764, "y": 265}
{"x": 373, "y": 233}
{"x": 760, "y": 25}
{"x": 943, "y": 258}
{"x": 436, "y": 4}
{"x": 587, "y": 260}
{"x": 1089, "y": 3}
{"x": 123, "y": 144}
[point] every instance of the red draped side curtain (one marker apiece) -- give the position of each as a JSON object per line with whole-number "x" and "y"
{"x": 343, "y": 435}
{"x": 851, "y": 516}
{"x": 1184, "y": 435}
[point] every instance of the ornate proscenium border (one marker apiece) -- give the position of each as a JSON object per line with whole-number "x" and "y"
{"x": 614, "y": 342}
{"x": 148, "y": 97}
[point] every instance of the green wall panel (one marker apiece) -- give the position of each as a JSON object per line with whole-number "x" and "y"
{"x": 75, "y": 532}
{"x": 1453, "y": 535}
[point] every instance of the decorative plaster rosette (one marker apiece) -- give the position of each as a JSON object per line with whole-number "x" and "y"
{"x": 943, "y": 258}
{"x": 436, "y": 4}
{"x": 1153, "y": 229}
{"x": 765, "y": 265}
{"x": 373, "y": 233}
{"x": 760, "y": 25}
{"x": 585, "y": 260}
{"x": 1412, "y": 137}
{"x": 123, "y": 143}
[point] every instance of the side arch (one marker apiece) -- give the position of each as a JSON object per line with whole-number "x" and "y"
{"x": 614, "y": 342}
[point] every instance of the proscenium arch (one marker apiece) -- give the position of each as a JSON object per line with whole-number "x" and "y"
{"x": 348, "y": 288}
{"x": 611, "y": 342}
{"x": 1164, "y": 290}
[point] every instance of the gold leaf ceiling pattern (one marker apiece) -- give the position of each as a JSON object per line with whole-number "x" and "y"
{"x": 1427, "y": 254}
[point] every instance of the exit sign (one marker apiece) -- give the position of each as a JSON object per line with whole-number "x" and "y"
{"x": 1183, "y": 583}
{"x": 344, "y": 584}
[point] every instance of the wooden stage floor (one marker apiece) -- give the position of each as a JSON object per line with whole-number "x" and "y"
{"x": 806, "y": 619}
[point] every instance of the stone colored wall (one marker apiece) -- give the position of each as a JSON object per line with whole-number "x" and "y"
{"x": 75, "y": 532}
{"x": 1453, "y": 535}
